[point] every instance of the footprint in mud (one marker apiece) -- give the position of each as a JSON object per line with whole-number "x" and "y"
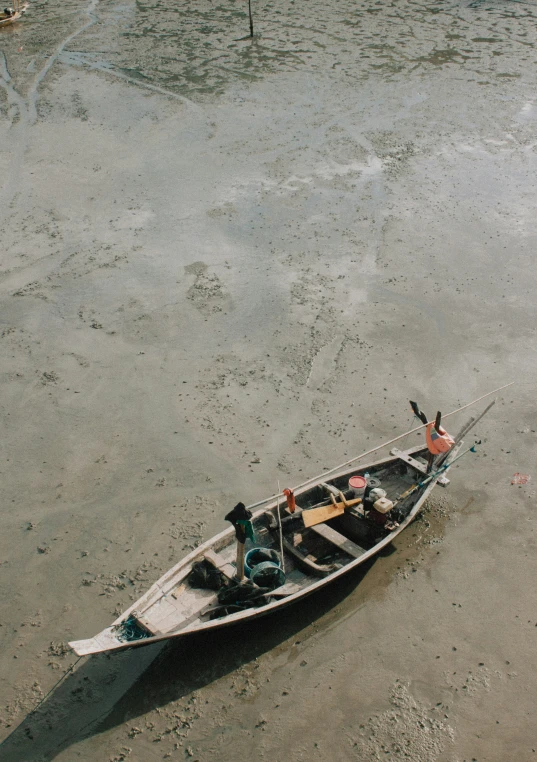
{"x": 207, "y": 292}
{"x": 394, "y": 153}
{"x": 223, "y": 210}
{"x": 35, "y": 288}
{"x": 89, "y": 317}
{"x": 140, "y": 321}
{"x": 343, "y": 149}
{"x": 82, "y": 361}
{"x": 407, "y": 730}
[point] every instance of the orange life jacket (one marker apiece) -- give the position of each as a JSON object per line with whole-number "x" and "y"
{"x": 438, "y": 441}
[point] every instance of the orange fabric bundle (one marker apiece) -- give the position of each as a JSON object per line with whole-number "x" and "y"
{"x": 438, "y": 441}
{"x": 291, "y": 504}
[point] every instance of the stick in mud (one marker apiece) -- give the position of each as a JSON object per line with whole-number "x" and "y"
{"x": 250, "y": 17}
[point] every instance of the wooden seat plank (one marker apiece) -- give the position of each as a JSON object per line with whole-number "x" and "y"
{"x": 227, "y": 569}
{"x": 421, "y": 467}
{"x": 336, "y": 538}
{"x": 415, "y": 464}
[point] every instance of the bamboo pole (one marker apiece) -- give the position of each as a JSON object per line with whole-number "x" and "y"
{"x": 280, "y": 528}
{"x": 396, "y": 439}
{"x": 381, "y": 446}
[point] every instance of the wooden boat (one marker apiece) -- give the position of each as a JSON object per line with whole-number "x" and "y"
{"x": 313, "y": 556}
{"x": 10, "y": 15}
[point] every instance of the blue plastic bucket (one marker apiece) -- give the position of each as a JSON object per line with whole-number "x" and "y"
{"x": 256, "y": 556}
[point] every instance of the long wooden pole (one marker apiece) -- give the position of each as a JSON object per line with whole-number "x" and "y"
{"x": 384, "y": 444}
{"x": 240, "y": 560}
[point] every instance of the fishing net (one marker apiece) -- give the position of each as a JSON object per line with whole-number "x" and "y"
{"x": 243, "y": 595}
{"x": 129, "y": 630}
{"x": 205, "y": 576}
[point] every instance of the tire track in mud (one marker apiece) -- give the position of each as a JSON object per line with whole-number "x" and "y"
{"x": 81, "y": 60}
{"x": 26, "y": 115}
{"x": 17, "y": 112}
{"x": 23, "y": 115}
{"x": 23, "y": 111}
{"x": 51, "y": 60}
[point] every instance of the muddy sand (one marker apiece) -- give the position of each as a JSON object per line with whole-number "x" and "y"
{"x": 227, "y": 263}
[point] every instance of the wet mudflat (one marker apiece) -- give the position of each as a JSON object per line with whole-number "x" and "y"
{"x": 227, "y": 262}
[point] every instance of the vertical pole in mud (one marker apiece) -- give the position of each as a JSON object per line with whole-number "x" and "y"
{"x": 250, "y": 16}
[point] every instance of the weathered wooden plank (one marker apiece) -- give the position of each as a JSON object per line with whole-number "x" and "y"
{"x": 220, "y": 563}
{"x": 336, "y": 538}
{"x": 319, "y": 570}
{"x": 415, "y": 464}
{"x": 421, "y": 467}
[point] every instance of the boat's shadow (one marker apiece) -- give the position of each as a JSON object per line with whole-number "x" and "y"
{"x": 107, "y": 691}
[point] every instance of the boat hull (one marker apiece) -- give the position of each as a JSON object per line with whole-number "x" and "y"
{"x": 160, "y": 594}
{"x": 8, "y": 20}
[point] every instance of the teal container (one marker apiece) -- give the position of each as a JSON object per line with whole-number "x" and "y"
{"x": 267, "y": 574}
{"x": 256, "y": 556}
